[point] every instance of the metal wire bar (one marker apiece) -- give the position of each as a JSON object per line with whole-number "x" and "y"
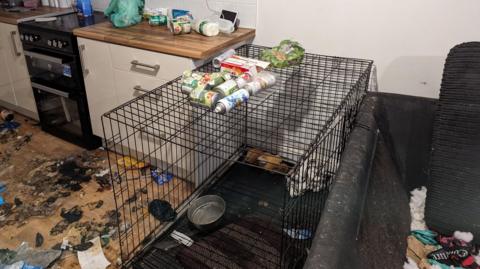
{"x": 305, "y": 119}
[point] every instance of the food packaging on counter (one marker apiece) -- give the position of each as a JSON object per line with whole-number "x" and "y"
{"x": 206, "y": 27}
{"x": 180, "y": 21}
{"x": 180, "y": 27}
{"x": 182, "y": 15}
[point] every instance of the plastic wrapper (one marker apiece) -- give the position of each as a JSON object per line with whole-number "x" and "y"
{"x": 124, "y": 13}
{"x": 287, "y": 53}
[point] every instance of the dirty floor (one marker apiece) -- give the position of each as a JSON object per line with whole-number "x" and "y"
{"x": 29, "y": 167}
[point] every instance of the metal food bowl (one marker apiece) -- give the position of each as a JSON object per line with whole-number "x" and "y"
{"x": 206, "y": 212}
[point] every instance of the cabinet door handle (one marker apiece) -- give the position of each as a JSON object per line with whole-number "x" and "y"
{"x": 140, "y": 89}
{"x": 82, "y": 61}
{"x": 154, "y": 67}
{"x": 15, "y": 49}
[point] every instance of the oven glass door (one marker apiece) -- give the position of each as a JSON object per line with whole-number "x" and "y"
{"x": 54, "y": 70}
{"x": 57, "y": 111}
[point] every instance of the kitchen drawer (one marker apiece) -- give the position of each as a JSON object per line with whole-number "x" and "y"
{"x": 151, "y": 64}
{"x": 125, "y": 83}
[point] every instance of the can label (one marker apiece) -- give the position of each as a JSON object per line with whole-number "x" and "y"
{"x": 235, "y": 99}
{"x": 227, "y": 88}
{"x": 189, "y": 84}
{"x": 203, "y": 97}
{"x": 163, "y": 20}
{"x": 209, "y": 98}
{"x": 154, "y": 20}
{"x": 200, "y": 27}
{"x": 253, "y": 87}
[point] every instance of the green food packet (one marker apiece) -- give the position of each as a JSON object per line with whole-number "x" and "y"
{"x": 287, "y": 53}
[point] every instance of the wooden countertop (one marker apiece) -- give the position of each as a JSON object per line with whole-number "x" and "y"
{"x": 160, "y": 39}
{"x": 16, "y": 17}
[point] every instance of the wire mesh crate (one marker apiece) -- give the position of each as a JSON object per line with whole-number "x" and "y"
{"x": 273, "y": 207}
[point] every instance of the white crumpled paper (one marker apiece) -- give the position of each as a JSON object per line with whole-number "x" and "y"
{"x": 93, "y": 258}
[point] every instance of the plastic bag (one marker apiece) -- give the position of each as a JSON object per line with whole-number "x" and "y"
{"x": 124, "y": 13}
{"x": 287, "y": 53}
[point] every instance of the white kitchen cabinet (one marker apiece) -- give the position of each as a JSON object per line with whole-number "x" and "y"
{"x": 152, "y": 64}
{"x": 17, "y": 64}
{"x": 4, "y": 75}
{"x": 129, "y": 85}
{"x": 24, "y": 95}
{"x": 99, "y": 80}
{"x": 6, "y": 94}
{"x": 112, "y": 72}
{"x": 15, "y": 89}
{"x": 117, "y": 74}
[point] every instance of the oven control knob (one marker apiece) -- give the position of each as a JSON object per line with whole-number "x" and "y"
{"x": 54, "y": 43}
{"x": 30, "y": 38}
{"x": 36, "y": 38}
{"x": 62, "y": 44}
{"x": 49, "y": 42}
{"x": 22, "y": 37}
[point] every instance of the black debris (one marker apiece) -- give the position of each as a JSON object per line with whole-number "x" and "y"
{"x": 5, "y": 209}
{"x": 39, "y": 240}
{"x": 161, "y": 210}
{"x": 72, "y": 215}
{"x": 19, "y": 143}
{"x": 51, "y": 199}
{"x": 60, "y": 227}
{"x": 112, "y": 218}
{"x": 17, "y": 201}
{"x": 132, "y": 199}
{"x": 104, "y": 182}
{"x": 83, "y": 246}
{"x": 95, "y": 205}
{"x": 73, "y": 168}
{"x": 64, "y": 194}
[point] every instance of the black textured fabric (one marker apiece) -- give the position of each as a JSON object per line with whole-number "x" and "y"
{"x": 453, "y": 198}
{"x": 162, "y": 210}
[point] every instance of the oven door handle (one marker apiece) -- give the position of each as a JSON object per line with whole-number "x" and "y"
{"x": 50, "y": 90}
{"x": 43, "y": 57}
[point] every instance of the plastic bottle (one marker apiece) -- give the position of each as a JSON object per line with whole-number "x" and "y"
{"x": 78, "y": 5}
{"x": 206, "y": 28}
{"x": 86, "y": 8}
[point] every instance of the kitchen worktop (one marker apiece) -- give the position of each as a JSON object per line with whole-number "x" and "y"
{"x": 16, "y": 17}
{"x": 160, "y": 39}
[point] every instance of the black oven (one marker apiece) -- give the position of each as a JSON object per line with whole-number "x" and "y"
{"x": 54, "y": 70}
{"x": 64, "y": 114}
{"x": 53, "y": 63}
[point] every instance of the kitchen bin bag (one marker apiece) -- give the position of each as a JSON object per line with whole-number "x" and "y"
{"x": 453, "y": 197}
{"x": 124, "y": 13}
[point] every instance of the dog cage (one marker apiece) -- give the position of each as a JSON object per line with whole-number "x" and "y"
{"x": 271, "y": 159}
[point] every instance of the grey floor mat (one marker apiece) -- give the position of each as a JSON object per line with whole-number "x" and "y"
{"x": 453, "y": 198}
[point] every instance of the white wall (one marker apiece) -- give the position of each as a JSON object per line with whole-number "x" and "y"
{"x": 408, "y": 39}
